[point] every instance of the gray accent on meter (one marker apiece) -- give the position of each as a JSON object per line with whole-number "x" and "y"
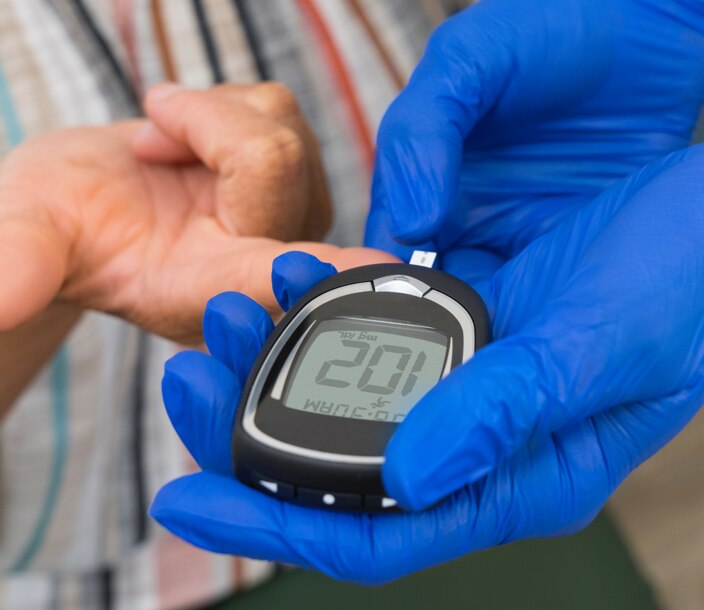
{"x": 462, "y": 316}
{"x": 402, "y": 284}
{"x": 278, "y": 388}
{"x": 250, "y": 408}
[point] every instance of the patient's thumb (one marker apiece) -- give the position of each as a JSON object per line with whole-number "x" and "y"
{"x": 33, "y": 263}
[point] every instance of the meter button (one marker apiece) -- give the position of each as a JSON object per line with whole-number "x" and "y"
{"x": 379, "y": 502}
{"x": 326, "y": 498}
{"x": 280, "y": 490}
{"x": 402, "y": 284}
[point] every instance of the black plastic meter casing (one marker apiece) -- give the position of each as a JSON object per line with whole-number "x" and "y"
{"x": 335, "y": 462}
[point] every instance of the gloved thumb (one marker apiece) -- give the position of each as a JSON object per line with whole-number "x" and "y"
{"x": 514, "y": 390}
{"x": 294, "y": 273}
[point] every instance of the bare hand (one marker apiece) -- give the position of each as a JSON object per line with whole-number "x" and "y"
{"x": 147, "y": 219}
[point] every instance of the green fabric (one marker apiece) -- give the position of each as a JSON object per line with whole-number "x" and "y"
{"x": 699, "y": 133}
{"x": 591, "y": 570}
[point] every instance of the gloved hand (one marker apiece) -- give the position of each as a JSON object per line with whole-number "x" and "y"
{"x": 598, "y": 362}
{"x": 520, "y": 112}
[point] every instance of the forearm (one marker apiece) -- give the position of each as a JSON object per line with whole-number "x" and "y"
{"x": 26, "y": 348}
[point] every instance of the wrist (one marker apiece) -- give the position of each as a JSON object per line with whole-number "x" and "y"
{"x": 35, "y": 237}
{"x": 28, "y": 346}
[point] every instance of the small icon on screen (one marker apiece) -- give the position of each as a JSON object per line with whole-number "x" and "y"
{"x": 379, "y": 402}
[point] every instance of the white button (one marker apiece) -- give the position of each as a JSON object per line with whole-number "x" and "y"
{"x": 270, "y": 485}
{"x": 388, "y": 502}
{"x": 402, "y": 284}
{"x": 329, "y": 499}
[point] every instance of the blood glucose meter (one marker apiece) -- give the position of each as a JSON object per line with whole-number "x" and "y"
{"x": 341, "y": 371}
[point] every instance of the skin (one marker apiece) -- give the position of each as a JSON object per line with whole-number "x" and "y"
{"x": 148, "y": 219}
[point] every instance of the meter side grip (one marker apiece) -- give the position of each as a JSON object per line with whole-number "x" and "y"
{"x": 443, "y": 282}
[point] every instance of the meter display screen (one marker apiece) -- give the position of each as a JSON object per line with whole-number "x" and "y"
{"x": 364, "y": 368}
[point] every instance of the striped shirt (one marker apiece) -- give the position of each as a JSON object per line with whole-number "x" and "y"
{"x": 88, "y": 444}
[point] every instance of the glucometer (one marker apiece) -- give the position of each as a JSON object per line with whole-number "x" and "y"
{"x": 341, "y": 371}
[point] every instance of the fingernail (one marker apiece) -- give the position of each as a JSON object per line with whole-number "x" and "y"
{"x": 163, "y": 91}
{"x": 145, "y": 133}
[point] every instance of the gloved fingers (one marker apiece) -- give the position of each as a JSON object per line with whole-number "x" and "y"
{"x": 522, "y": 386}
{"x": 557, "y": 486}
{"x": 513, "y": 392}
{"x": 520, "y": 290}
{"x": 222, "y": 515}
{"x": 475, "y": 266}
{"x": 235, "y": 328}
{"x": 550, "y": 488}
{"x": 504, "y": 223}
{"x": 378, "y": 233}
{"x": 201, "y": 395}
{"x": 470, "y": 264}
{"x": 630, "y": 434}
{"x": 421, "y": 137}
{"x": 582, "y": 351}
{"x": 295, "y": 273}
{"x": 485, "y": 411}
{"x": 496, "y": 63}
{"x": 254, "y": 266}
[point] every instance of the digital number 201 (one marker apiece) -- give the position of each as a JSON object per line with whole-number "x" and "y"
{"x": 402, "y": 353}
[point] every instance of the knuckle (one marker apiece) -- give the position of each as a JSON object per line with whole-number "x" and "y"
{"x": 449, "y": 54}
{"x": 280, "y": 152}
{"x": 443, "y": 39}
{"x": 274, "y": 99}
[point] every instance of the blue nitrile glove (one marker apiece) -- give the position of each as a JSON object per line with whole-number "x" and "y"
{"x": 521, "y": 111}
{"x": 598, "y": 362}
